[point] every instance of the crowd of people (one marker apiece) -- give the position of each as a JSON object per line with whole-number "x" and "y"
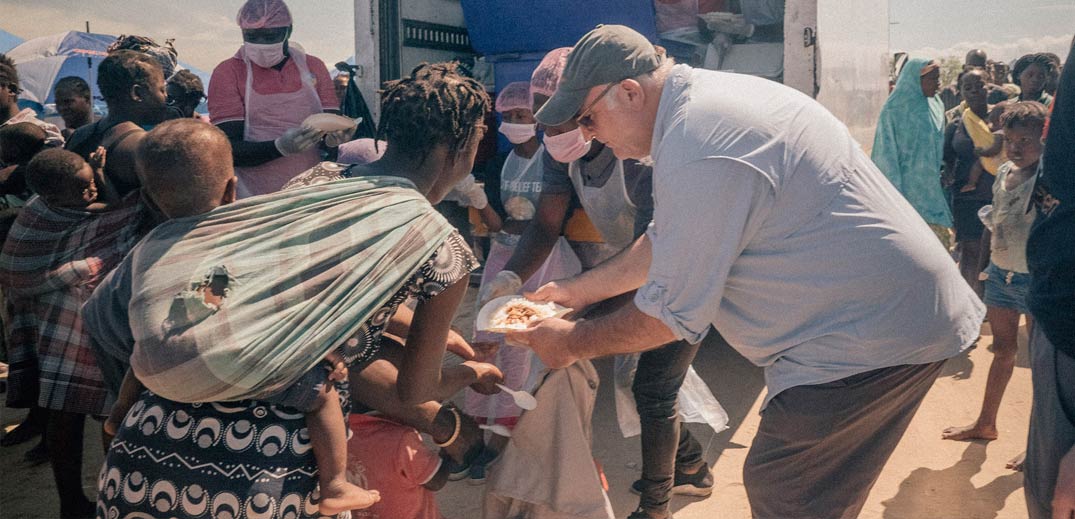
{"x": 258, "y": 310}
{"x": 1004, "y": 169}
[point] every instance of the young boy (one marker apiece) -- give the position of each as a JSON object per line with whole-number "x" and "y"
{"x": 315, "y": 395}
{"x": 392, "y": 457}
{"x": 1007, "y": 279}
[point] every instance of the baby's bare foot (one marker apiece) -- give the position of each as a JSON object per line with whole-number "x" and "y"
{"x": 342, "y": 496}
{"x": 970, "y": 432}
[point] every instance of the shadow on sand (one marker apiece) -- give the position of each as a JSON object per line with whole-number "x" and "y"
{"x": 950, "y": 493}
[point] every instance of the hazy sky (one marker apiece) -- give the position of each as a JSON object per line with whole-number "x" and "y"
{"x": 1005, "y": 29}
{"x": 206, "y": 34}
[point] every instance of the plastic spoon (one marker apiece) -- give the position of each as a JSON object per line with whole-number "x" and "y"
{"x": 522, "y": 399}
{"x": 497, "y": 429}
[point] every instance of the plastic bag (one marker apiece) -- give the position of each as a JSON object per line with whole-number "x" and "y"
{"x": 696, "y": 402}
{"x": 985, "y": 214}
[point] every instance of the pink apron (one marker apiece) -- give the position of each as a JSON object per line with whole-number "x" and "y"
{"x": 267, "y": 117}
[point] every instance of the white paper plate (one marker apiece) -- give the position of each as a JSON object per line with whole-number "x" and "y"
{"x": 485, "y": 316}
{"x": 330, "y": 122}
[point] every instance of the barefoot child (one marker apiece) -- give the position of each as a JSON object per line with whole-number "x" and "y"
{"x": 1007, "y": 277}
{"x": 316, "y": 396}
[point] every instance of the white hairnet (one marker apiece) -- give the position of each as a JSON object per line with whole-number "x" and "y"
{"x": 547, "y": 74}
{"x": 263, "y": 14}
{"x": 515, "y": 95}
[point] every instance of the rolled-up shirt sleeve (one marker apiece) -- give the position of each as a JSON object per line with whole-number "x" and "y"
{"x": 705, "y": 214}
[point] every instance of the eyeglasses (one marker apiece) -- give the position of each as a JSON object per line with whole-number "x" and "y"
{"x": 584, "y": 118}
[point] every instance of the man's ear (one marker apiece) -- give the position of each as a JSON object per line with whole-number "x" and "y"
{"x": 137, "y": 93}
{"x": 631, "y": 94}
{"x": 229, "y": 191}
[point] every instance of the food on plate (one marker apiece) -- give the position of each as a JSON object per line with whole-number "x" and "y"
{"x": 509, "y": 313}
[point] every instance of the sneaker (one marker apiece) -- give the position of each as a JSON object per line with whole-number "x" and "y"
{"x": 25, "y": 432}
{"x": 699, "y": 484}
{"x": 478, "y": 467}
{"x": 641, "y": 513}
{"x": 477, "y": 474}
{"x": 456, "y": 471}
{"x": 37, "y": 455}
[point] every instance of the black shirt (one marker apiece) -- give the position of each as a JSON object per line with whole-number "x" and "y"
{"x": 959, "y": 151}
{"x": 1051, "y": 247}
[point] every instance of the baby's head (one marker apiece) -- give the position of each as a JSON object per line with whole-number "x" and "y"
{"x": 995, "y": 114}
{"x": 62, "y": 179}
{"x": 19, "y": 143}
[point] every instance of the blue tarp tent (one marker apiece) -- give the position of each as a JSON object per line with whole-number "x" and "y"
{"x": 8, "y": 41}
{"x": 43, "y": 61}
{"x": 516, "y": 35}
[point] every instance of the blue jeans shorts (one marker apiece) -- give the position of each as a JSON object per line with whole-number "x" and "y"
{"x": 1006, "y": 289}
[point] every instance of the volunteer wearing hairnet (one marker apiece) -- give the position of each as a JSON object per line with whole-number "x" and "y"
{"x": 260, "y": 96}
{"x": 520, "y": 188}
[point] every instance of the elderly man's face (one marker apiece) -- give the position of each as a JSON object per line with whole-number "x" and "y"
{"x": 613, "y": 114}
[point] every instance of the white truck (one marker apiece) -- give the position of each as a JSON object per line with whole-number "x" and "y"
{"x": 836, "y": 51}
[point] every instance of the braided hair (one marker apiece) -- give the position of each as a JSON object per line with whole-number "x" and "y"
{"x": 435, "y": 105}
{"x": 1040, "y": 59}
{"x": 123, "y": 69}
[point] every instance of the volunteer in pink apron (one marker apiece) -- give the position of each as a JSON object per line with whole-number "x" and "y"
{"x": 260, "y": 96}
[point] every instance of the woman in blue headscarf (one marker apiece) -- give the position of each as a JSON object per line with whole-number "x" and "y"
{"x": 909, "y": 142}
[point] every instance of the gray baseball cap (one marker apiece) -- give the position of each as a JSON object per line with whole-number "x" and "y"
{"x": 607, "y": 54}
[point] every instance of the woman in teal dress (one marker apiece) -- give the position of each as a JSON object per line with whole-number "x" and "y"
{"x": 909, "y": 142}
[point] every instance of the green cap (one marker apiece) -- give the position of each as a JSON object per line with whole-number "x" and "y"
{"x": 607, "y": 54}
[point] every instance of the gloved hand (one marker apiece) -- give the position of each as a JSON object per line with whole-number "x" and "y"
{"x": 469, "y": 193}
{"x": 338, "y": 137}
{"x": 297, "y": 140}
{"x": 505, "y": 283}
{"x": 728, "y": 23}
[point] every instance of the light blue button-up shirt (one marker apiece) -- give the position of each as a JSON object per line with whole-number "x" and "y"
{"x": 772, "y": 225}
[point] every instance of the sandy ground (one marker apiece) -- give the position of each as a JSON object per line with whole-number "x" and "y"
{"x": 926, "y": 477}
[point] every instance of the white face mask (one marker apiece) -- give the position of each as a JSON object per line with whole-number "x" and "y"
{"x": 567, "y": 147}
{"x": 264, "y": 55}
{"x": 518, "y": 133}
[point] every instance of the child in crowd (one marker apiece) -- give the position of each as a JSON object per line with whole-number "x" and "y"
{"x": 314, "y": 394}
{"x": 1007, "y": 279}
{"x": 392, "y": 457}
{"x": 990, "y": 157}
{"x": 64, "y": 181}
{"x": 19, "y": 143}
